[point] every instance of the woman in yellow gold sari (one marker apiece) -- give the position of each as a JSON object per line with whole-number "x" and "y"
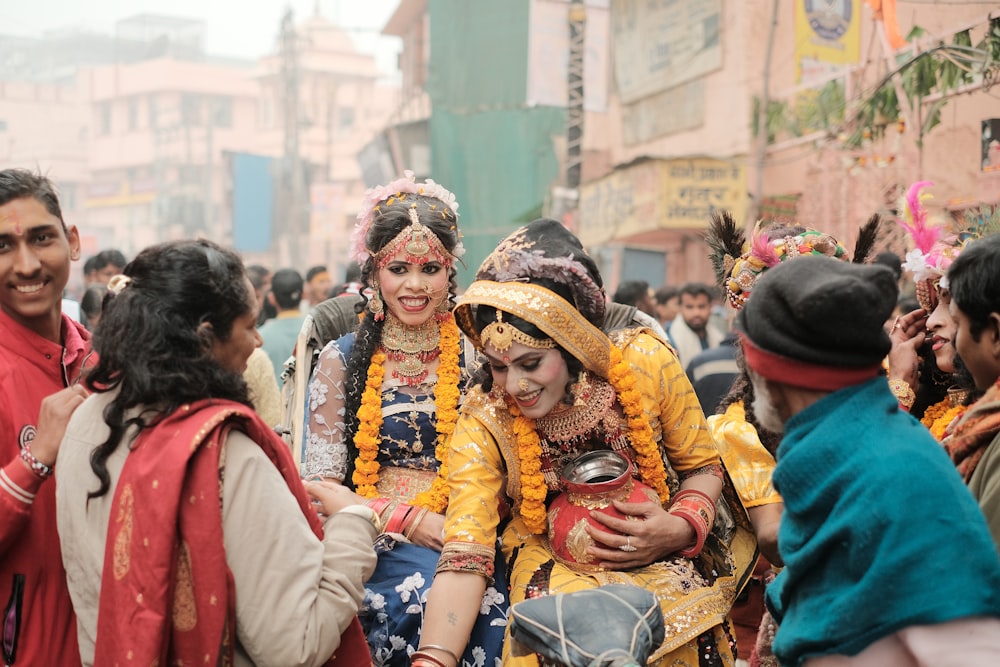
{"x": 555, "y": 386}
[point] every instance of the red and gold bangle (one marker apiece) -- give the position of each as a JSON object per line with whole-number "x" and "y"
{"x": 421, "y": 657}
{"x": 423, "y": 648}
{"x": 698, "y": 502}
{"x": 701, "y": 533}
{"x": 698, "y": 510}
{"x": 397, "y": 520}
{"x": 378, "y": 504}
{"x": 386, "y": 512}
{"x": 413, "y": 522}
{"x": 693, "y": 493}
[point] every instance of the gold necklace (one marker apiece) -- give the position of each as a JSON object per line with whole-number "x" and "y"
{"x": 411, "y": 348}
{"x": 575, "y": 421}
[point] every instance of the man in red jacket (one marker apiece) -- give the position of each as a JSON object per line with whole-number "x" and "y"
{"x": 42, "y": 353}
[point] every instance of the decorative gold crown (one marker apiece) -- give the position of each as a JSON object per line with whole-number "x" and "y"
{"x": 502, "y": 335}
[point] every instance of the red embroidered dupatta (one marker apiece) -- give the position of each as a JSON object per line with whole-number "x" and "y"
{"x": 167, "y": 594}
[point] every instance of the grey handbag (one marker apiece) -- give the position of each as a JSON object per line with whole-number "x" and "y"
{"x": 616, "y": 625}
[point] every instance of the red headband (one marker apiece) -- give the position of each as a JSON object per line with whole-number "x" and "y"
{"x": 803, "y": 373}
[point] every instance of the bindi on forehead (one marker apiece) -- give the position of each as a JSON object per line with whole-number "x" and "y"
{"x": 12, "y": 215}
{"x": 25, "y": 215}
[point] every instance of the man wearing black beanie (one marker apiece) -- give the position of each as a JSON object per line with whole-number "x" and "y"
{"x": 876, "y": 517}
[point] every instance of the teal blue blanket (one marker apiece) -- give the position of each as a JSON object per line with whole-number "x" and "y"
{"x": 879, "y": 531}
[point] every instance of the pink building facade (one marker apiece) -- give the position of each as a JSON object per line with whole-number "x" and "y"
{"x": 142, "y": 150}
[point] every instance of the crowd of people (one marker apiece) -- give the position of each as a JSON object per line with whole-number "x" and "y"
{"x": 763, "y": 483}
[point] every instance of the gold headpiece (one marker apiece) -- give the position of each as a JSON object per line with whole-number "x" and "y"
{"x": 557, "y": 318}
{"x": 420, "y": 244}
{"x": 502, "y": 335}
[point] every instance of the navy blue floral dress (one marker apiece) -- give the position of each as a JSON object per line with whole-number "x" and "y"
{"x": 396, "y": 594}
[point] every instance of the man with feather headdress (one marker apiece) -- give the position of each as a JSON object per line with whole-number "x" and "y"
{"x": 747, "y": 449}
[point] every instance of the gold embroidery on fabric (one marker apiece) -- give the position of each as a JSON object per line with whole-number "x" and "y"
{"x": 224, "y": 648}
{"x": 403, "y": 484}
{"x": 492, "y": 412}
{"x": 123, "y": 539}
{"x": 546, "y": 310}
{"x": 185, "y": 614}
{"x": 598, "y": 501}
{"x": 578, "y": 540}
{"x": 455, "y": 557}
{"x": 690, "y": 605}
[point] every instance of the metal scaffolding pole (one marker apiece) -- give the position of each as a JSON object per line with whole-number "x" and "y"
{"x": 574, "y": 106}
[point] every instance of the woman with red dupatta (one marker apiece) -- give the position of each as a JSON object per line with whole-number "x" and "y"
{"x": 187, "y": 535}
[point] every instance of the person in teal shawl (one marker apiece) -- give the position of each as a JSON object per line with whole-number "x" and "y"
{"x": 888, "y": 559}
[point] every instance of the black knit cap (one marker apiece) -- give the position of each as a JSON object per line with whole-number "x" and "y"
{"x": 821, "y": 311}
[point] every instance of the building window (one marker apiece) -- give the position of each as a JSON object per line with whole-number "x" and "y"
{"x": 190, "y": 174}
{"x": 223, "y": 112}
{"x": 133, "y": 114}
{"x": 345, "y": 119}
{"x": 104, "y": 117}
{"x": 266, "y": 113}
{"x": 190, "y": 109}
{"x": 152, "y": 112}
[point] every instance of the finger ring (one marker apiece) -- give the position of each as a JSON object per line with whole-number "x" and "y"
{"x": 896, "y": 324}
{"x": 627, "y": 547}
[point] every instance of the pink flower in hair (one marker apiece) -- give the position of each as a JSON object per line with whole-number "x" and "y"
{"x": 381, "y": 193}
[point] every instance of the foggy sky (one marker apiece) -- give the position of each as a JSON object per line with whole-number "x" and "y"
{"x": 242, "y": 28}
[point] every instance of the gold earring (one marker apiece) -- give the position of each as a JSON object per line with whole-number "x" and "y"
{"x": 581, "y": 389}
{"x": 376, "y": 307}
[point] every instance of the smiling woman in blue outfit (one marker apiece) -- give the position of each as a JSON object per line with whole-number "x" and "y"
{"x": 383, "y": 402}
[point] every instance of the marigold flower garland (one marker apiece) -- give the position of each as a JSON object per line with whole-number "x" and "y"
{"x": 651, "y": 468}
{"x": 529, "y": 450}
{"x": 940, "y": 427}
{"x": 529, "y": 456}
{"x": 367, "y": 438}
{"x": 932, "y": 412}
{"x": 938, "y": 417}
{"x": 446, "y": 395}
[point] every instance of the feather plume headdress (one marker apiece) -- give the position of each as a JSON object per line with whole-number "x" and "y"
{"x": 934, "y": 247}
{"x": 977, "y": 223}
{"x": 935, "y": 251}
{"x": 738, "y": 263}
{"x": 383, "y": 193}
{"x": 925, "y": 259}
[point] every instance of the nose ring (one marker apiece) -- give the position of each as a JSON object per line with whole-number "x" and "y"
{"x": 522, "y": 384}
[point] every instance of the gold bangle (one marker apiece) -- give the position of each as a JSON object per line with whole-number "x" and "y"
{"x": 412, "y": 527}
{"x": 903, "y": 392}
{"x": 438, "y": 647}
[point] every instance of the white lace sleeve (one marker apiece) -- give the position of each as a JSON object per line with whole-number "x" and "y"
{"x": 326, "y": 453}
